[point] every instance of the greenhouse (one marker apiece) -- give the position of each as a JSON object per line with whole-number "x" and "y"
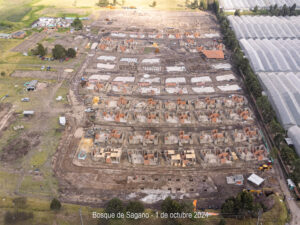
{"x": 265, "y": 26}
{"x": 275, "y": 55}
{"x": 283, "y": 92}
{"x": 231, "y": 5}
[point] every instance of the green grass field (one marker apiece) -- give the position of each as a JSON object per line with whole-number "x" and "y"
{"x": 17, "y": 14}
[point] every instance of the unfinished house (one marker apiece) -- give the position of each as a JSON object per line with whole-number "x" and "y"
{"x": 252, "y": 153}
{"x": 170, "y": 105}
{"x": 213, "y": 117}
{"x": 218, "y": 156}
{"x": 207, "y": 103}
{"x": 108, "y": 155}
{"x": 143, "y": 157}
{"x": 148, "y": 138}
{"x": 170, "y": 139}
{"x": 239, "y": 114}
{"x": 205, "y": 138}
{"x": 107, "y": 44}
{"x": 180, "y": 158}
{"x": 219, "y": 137}
{"x": 182, "y": 104}
{"x": 114, "y": 103}
{"x": 115, "y": 137}
{"x": 235, "y": 101}
{"x": 184, "y": 117}
{"x": 249, "y": 134}
{"x": 114, "y": 116}
{"x": 185, "y": 138}
{"x": 121, "y": 88}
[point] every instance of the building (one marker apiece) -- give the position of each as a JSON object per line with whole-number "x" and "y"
{"x": 213, "y": 54}
{"x": 31, "y": 86}
{"x": 62, "y": 120}
{"x": 5, "y": 36}
{"x": 255, "y": 179}
{"x": 28, "y": 113}
{"x": 19, "y": 34}
{"x": 51, "y": 23}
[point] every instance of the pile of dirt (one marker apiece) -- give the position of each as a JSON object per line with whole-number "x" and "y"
{"x": 19, "y": 147}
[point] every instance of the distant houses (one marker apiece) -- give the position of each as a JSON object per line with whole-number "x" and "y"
{"x": 19, "y": 34}
{"x": 5, "y": 36}
{"x": 54, "y": 22}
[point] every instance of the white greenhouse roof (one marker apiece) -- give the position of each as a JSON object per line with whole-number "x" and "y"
{"x": 273, "y": 55}
{"x": 283, "y": 90}
{"x": 229, "y": 5}
{"x": 265, "y": 26}
{"x": 294, "y": 134}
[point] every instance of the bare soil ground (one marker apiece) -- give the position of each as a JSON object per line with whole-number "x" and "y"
{"x": 19, "y": 147}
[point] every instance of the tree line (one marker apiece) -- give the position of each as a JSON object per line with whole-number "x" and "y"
{"x": 58, "y": 52}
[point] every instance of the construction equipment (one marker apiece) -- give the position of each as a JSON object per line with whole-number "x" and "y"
{"x": 265, "y": 167}
{"x": 265, "y": 191}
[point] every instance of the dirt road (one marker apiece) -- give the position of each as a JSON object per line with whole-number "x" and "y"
{"x": 294, "y": 209}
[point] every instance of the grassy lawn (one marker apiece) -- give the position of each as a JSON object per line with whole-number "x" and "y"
{"x": 69, "y": 214}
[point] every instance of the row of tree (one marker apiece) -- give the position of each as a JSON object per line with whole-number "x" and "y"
{"x": 274, "y": 11}
{"x": 200, "y": 4}
{"x": 241, "y": 206}
{"x": 58, "y": 52}
{"x": 283, "y": 11}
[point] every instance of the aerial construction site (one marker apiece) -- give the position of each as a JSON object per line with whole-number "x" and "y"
{"x": 160, "y": 112}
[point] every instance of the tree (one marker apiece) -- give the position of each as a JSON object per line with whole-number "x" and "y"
{"x": 77, "y": 24}
{"x": 170, "y": 206}
{"x": 293, "y": 10}
{"x": 266, "y": 109}
{"x": 222, "y": 222}
{"x": 55, "y": 204}
{"x": 237, "y": 12}
{"x": 216, "y": 6}
{"x": 103, "y": 3}
{"x": 59, "y": 52}
{"x": 276, "y": 127}
{"x": 39, "y": 50}
{"x": 2, "y": 73}
{"x": 194, "y": 4}
{"x": 203, "y": 4}
{"x": 114, "y": 206}
{"x": 242, "y": 205}
{"x": 71, "y": 52}
{"x": 296, "y": 171}
{"x": 255, "y": 9}
{"x": 153, "y": 4}
{"x": 288, "y": 155}
{"x": 42, "y": 51}
{"x": 114, "y": 2}
{"x": 284, "y": 10}
{"x": 135, "y": 207}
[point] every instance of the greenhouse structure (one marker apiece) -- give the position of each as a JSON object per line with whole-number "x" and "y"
{"x": 265, "y": 27}
{"x": 272, "y": 55}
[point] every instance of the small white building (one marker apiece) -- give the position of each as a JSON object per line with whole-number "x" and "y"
{"x": 255, "y": 179}
{"x": 62, "y": 120}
